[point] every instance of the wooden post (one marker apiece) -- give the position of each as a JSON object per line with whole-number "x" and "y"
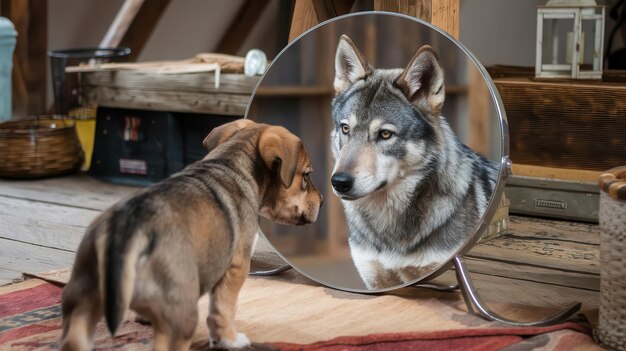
{"x": 30, "y": 59}
{"x": 442, "y": 13}
{"x": 303, "y": 18}
{"x": 445, "y": 15}
{"x": 416, "y": 8}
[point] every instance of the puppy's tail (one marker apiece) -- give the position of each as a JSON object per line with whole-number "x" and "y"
{"x": 125, "y": 244}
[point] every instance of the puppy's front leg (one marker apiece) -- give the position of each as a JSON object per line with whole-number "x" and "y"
{"x": 223, "y": 304}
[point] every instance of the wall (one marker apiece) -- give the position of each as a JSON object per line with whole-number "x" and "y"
{"x": 503, "y": 32}
{"x": 497, "y": 32}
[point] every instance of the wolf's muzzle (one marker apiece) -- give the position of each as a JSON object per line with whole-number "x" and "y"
{"x": 342, "y": 182}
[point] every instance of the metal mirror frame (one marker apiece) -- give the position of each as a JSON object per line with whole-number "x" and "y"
{"x": 472, "y": 300}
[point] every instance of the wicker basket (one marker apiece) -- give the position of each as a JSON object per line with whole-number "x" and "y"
{"x": 611, "y": 329}
{"x": 39, "y": 147}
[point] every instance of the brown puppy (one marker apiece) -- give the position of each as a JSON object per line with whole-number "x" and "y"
{"x": 160, "y": 250}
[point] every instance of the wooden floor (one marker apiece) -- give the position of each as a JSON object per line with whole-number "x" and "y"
{"x": 538, "y": 263}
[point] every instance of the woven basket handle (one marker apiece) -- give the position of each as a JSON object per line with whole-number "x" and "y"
{"x": 613, "y": 182}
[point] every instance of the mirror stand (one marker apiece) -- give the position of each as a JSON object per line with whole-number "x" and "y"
{"x": 474, "y": 303}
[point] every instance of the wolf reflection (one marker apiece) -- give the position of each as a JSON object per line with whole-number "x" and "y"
{"x": 411, "y": 191}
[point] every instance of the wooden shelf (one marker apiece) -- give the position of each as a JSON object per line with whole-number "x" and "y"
{"x": 318, "y": 90}
{"x": 294, "y": 91}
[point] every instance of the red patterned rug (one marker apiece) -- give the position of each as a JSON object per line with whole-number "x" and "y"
{"x": 30, "y": 319}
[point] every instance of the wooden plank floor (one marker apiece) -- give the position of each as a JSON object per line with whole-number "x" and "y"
{"x": 539, "y": 262}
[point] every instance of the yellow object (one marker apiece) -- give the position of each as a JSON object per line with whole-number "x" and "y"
{"x": 85, "y": 117}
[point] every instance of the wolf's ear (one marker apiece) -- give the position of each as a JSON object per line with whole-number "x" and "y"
{"x": 224, "y": 132}
{"x": 280, "y": 151}
{"x": 422, "y": 81}
{"x": 350, "y": 65}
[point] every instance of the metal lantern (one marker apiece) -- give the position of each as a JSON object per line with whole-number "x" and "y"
{"x": 570, "y": 39}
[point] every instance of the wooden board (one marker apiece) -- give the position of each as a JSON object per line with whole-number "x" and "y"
{"x": 43, "y": 224}
{"x": 502, "y": 290}
{"x": 538, "y": 263}
{"x": 556, "y": 173}
{"x": 79, "y": 191}
{"x": 563, "y": 246}
{"x": 531, "y": 272}
{"x": 172, "y": 101}
{"x": 204, "y": 82}
{"x": 18, "y": 257}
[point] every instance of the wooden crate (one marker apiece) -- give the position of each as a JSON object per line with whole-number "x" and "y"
{"x": 569, "y": 124}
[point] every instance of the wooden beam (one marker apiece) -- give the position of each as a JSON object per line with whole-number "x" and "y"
{"x": 143, "y": 25}
{"x": 327, "y": 9}
{"x": 125, "y": 16}
{"x": 241, "y": 26}
{"x": 445, "y": 15}
{"x": 442, "y": 13}
{"x": 303, "y": 18}
{"x": 416, "y": 8}
{"x": 30, "y": 60}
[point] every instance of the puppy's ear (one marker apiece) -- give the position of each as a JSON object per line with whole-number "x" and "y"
{"x": 224, "y": 132}
{"x": 350, "y": 65}
{"x": 422, "y": 81}
{"x": 280, "y": 151}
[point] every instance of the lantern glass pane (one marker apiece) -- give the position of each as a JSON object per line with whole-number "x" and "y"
{"x": 556, "y": 55}
{"x": 591, "y": 48}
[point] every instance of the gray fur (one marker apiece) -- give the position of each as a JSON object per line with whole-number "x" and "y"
{"x": 435, "y": 189}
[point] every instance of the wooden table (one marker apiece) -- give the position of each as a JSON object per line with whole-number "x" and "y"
{"x": 542, "y": 263}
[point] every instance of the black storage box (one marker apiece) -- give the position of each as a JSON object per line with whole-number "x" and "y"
{"x": 136, "y": 147}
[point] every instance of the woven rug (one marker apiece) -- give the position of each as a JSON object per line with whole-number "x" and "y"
{"x": 291, "y": 313}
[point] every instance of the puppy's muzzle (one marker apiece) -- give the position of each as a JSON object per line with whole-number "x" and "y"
{"x": 342, "y": 182}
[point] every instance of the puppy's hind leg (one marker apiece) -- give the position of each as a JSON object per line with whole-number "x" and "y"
{"x": 174, "y": 325}
{"x": 80, "y": 316}
{"x": 223, "y": 305}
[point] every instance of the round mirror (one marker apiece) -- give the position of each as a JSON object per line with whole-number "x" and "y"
{"x": 406, "y": 135}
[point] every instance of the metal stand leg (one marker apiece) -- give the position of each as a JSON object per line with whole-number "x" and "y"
{"x": 437, "y": 287}
{"x": 475, "y": 304}
{"x": 273, "y": 271}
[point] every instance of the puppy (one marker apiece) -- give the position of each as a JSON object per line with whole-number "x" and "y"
{"x": 160, "y": 250}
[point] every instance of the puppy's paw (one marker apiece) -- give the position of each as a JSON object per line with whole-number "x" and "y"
{"x": 241, "y": 341}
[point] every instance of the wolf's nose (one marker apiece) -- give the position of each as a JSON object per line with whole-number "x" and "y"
{"x": 342, "y": 182}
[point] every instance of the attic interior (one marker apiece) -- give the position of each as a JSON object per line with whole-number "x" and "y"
{"x": 106, "y": 99}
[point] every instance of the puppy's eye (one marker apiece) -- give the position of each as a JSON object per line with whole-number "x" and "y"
{"x": 345, "y": 129}
{"x": 385, "y": 134}
{"x": 305, "y": 180}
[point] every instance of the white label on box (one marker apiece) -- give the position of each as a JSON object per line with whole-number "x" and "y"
{"x": 129, "y": 166}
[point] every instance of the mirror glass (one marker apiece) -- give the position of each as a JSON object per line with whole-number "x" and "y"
{"x": 405, "y": 135}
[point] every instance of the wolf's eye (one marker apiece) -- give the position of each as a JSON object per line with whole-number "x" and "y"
{"x": 385, "y": 134}
{"x": 345, "y": 129}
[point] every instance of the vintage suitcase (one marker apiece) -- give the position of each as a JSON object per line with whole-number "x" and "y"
{"x": 571, "y": 126}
